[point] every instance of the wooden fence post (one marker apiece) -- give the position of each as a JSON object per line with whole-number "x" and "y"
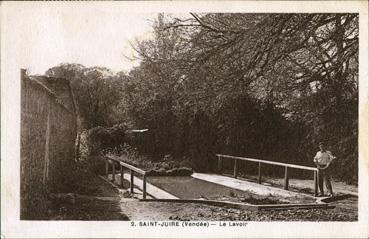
{"x": 107, "y": 168}
{"x": 259, "y": 173}
{"x": 132, "y": 177}
{"x": 113, "y": 170}
{"x": 219, "y": 165}
{"x": 286, "y": 178}
{"x": 78, "y": 147}
{"x": 235, "y": 170}
{"x": 316, "y": 179}
{"x": 144, "y": 187}
{"x": 121, "y": 175}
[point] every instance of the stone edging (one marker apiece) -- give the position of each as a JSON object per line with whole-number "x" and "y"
{"x": 252, "y": 207}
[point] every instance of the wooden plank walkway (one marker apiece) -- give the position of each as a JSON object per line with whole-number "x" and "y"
{"x": 247, "y": 186}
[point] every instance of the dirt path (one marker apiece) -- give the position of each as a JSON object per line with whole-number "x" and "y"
{"x": 137, "y": 210}
{"x": 94, "y": 199}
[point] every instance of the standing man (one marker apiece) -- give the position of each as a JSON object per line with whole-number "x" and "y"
{"x": 323, "y": 159}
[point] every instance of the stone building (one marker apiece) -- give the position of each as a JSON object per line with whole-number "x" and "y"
{"x": 48, "y": 134}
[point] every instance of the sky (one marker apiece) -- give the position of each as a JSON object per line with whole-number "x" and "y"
{"x": 89, "y": 35}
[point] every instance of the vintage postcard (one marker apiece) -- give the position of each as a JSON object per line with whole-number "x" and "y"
{"x": 162, "y": 119}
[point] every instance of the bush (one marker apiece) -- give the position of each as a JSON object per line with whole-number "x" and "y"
{"x": 182, "y": 171}
{"x": 102, "y": 139}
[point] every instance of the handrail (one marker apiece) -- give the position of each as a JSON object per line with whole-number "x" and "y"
{"x": 260, "y": 161}
{"x": 269, "y": 162}
{"x": 126, "y": 165}
{"x": 112, "y": 159}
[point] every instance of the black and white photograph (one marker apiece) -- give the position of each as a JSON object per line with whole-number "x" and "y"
{"x": 184, "y": 119}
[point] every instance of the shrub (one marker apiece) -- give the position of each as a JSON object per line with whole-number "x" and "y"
{"x": 101, "y": 139}
{"x": 183, "y": 171}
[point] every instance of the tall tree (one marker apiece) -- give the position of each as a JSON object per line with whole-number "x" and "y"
{"x": 302, "y": 65}
{"x": 97, "y": 91}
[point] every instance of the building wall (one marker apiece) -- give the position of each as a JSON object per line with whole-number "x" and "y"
{"x": 48, "y": 132}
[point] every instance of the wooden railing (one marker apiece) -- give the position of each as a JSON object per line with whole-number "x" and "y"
{"x": 259, "y": 161}
{"x": 113, "y": 161}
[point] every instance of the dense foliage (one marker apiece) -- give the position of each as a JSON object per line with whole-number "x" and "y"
{"x": 262, "y": 85}
{"x": 97, "y": 92}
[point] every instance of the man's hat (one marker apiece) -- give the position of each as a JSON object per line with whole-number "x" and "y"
{"x": 321, "y": 143}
